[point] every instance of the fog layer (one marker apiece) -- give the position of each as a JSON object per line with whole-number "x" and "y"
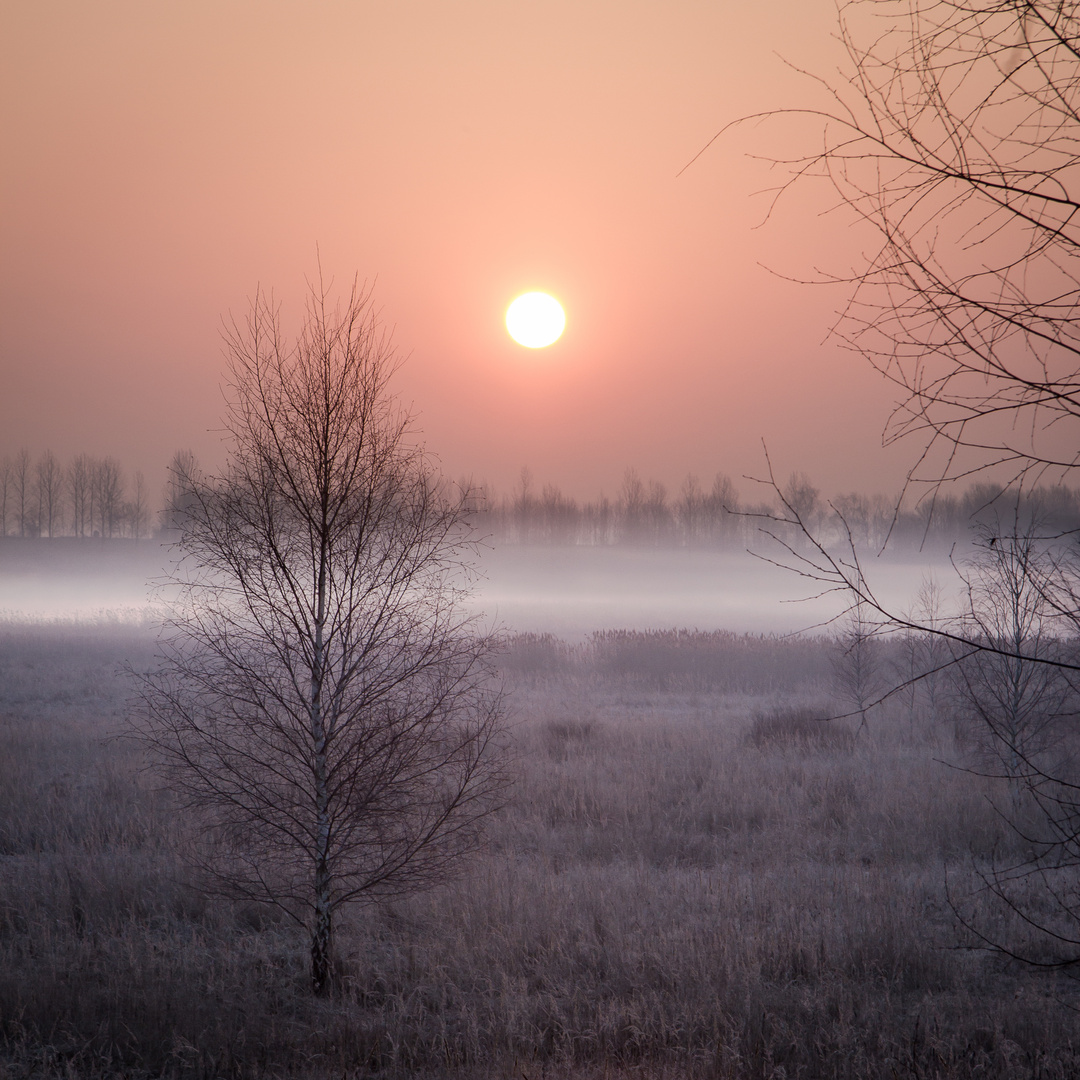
{"x": 568, "y": 591}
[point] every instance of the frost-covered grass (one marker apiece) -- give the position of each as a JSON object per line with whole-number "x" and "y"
{"x": 692, "y": 880}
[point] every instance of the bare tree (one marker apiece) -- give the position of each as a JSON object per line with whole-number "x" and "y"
{"x": 868, "y": 517}
{"x": 632, "y": 501}
{"x": 722, "y": 509}
{"x": 23, "y": 485}
{"x": 857, "y": 669}
{"x": 79, "y": 499}
{"x": 139, "y": 510}
{"x": 179, "y": 497}
{"x": 804, "y": 497}
{"x": 923, "y": 660}
{"x": 1021, "y": 702}
{"x": 525, "y": 506}
{"x": 691, "y": 511}
{"x": 6, "y": 486}
{"x": 49, "y": 477}
{"x": 657, "y": 514}
{"x": 560, "y": 515}
{"x": 108, "y": 485}
{"x": 93, "y": 495}
{"x": 1017, "y": 706}
{"x": 324, "y": 707}
{"x": 955, "y": 141}
{"x": 934, "y": 653}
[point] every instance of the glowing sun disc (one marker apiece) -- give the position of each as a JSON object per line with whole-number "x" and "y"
{"x": 535, "y": 320}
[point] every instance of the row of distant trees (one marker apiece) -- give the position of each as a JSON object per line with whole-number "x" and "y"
{"x": 643, "y": 512}
{"x": 640, "y": 513}
{"x": 84, "y": 496}
{"x": 92, "y": 496}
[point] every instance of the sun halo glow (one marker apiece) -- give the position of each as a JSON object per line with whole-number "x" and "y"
{"x": 535, "y": 320}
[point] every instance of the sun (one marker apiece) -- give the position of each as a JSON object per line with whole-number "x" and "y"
{"x": 535, "y": 320}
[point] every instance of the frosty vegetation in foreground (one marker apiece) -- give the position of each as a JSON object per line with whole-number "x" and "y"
{"x": 695, "y": 878}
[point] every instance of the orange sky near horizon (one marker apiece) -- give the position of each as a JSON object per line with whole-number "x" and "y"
{"x": 161, "y": 161}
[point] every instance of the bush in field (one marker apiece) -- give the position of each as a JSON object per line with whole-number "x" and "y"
{"x": 803, "y": 726}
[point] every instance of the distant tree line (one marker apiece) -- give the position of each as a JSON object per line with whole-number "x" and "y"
{"x": 643, "y": 513}
{"x": 94, "y": 497}
{"x": 85, "y": 496}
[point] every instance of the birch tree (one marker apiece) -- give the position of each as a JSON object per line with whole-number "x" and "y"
{"x": 323, "y": 707}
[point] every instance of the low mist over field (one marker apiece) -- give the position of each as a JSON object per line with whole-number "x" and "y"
{"x": 570, "y": 592}
{"x": 567, "y": 591}
{"x": 79, "y": 578}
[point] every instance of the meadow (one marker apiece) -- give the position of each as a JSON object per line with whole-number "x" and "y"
{"x": 694, "y": 878}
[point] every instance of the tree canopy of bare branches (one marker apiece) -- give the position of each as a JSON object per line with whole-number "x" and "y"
{"x": 957, "y": 142}
{"x": 323, "y": 705}
{"x": 956, "y": 139}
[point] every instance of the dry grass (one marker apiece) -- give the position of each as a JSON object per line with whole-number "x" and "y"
{"x": 690, "y": 882}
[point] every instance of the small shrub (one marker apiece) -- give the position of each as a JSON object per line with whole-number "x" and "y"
{"x": 570, "y": 730}
{"x": 804, "y": 726}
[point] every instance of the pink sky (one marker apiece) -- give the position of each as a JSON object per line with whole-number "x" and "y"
{"x": 162, "y": 160}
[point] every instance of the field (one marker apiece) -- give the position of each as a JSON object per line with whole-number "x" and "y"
{"x": 692, "y": 879}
